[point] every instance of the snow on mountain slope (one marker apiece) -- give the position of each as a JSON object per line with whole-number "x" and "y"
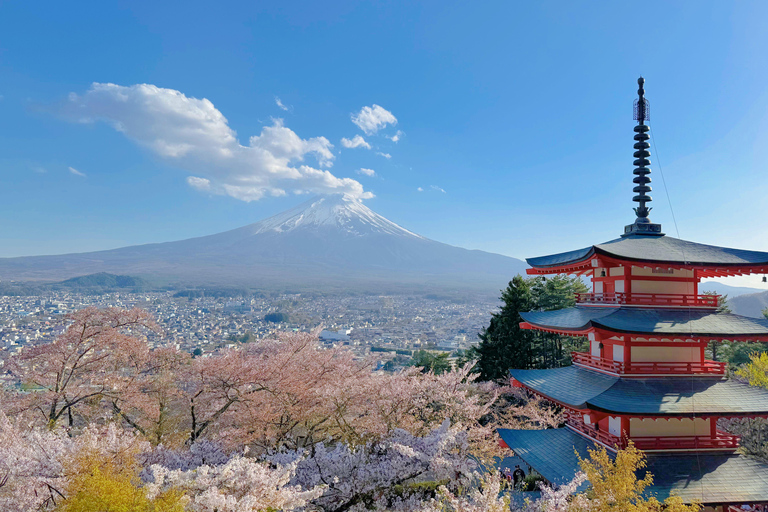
{"x": 337, "y": 211}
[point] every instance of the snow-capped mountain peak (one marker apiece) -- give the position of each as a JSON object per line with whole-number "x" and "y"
{"x": 335, "y": 211}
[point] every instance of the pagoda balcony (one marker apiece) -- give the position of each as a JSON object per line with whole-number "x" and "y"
{"x": 574, "y": 422}
{"x": 706, "y": 367}
{"x": 721, "y": 440}
{"x": 648, "y": 299}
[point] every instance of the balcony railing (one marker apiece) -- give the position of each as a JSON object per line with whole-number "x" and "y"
{"x": 648, "y": 368}
{"x": 577, "y": 423}
{"x": 721, "y": 441}
{"x": 649, "y": 299}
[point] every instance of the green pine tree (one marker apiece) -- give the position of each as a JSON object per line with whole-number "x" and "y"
{"x": 504, "y": 345}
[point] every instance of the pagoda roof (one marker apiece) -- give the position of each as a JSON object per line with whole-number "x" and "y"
{"x": 656, "y": 249}
{"x": 707, "y": 478}
{"x": 580, "y": 388}
{"x": 639, "y": 320}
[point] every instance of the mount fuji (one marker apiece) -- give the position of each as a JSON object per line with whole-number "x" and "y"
{"x": 329, "y": 242}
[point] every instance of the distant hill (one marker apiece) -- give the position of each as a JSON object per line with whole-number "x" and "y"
{"x": 103, "y": 280}
{"x": 750, "y": 305}
{"x": 329, "y": 243}
{"x": 724, "y": 289}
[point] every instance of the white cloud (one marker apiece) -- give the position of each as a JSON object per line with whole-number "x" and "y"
{"x": 76, "y": 172}
{"x": 280, "y": 105}
{"x": 435, "y": 187}
{"x": 192, "y": 134}
{"x": 39, "y": 169}
{"x": 356, "y": 142}
{"x": 420, "y": 189}
{"x": 372, "y": 119}
{"x": 199, "y": 183}
{"x": 367, "y": 172}
{"x": 385, "y": 155}
{"x": 396, "y": 137}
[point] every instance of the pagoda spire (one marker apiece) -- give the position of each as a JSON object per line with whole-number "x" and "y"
{"x": 642, "y": 224}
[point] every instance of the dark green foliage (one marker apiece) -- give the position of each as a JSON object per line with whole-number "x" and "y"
{"x": 248, "y": 337}
{"x": 428, "y": 361}
{"x": 103, "y": 280}
{"x": 504, "y": 345}
{"x": 398, "y": 361}
{"x": 736, "y": 353}
{"x": 276, "y": 317}
{"x": 722, "y": 307}
{"x": 531, "y": 482}
{"x": 197, "y": 352}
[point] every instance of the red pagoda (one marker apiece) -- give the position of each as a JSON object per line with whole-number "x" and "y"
{"x": 645, "y": 377}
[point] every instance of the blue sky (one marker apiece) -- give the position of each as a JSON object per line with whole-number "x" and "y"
{"x": 514, "y": 118}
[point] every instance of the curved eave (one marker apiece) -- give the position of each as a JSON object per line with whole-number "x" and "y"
{"x": 663, "y": 252}
{"x": 646, "y": 322}
{"x": 609, "y": 332}
{"x": 580, "y": 388}
{"x": 585, "y": 267}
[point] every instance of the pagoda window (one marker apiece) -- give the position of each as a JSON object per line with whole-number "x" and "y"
{"x": 618, "y": 353}
{"x": 598, "y": 287}
{"x": 614, "y": 425}
{"x": 595, "y": 348}
{"x": 619, "y": 286}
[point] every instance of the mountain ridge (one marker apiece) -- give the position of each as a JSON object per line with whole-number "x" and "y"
{"x": 332, "y": 241}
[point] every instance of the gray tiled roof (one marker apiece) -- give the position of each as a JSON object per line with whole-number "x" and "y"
{"x": 663, "y": 249}
{"x": 707, "y": 478}
{"x": 550, "y": 452}
{"x": 580, "y": 388}
{"x": 648, "y": 321}
{"x": 569, "y": 385}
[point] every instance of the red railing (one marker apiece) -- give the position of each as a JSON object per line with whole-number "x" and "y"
{"x": 648, "y": 299}
{"x": 722, "y": 441}
{"x": 576, "y": 422}
{"x": 643, "y": 368}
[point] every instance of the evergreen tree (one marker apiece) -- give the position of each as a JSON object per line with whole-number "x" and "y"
{"x": 504, "y": 345}
{"x": 427, "y": 361}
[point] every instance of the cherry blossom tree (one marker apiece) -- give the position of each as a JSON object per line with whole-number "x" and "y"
{"x": 35, "y": 463}
{"x": 84, "y": 364}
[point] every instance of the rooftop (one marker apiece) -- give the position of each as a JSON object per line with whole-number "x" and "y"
{"x": 659, "y": 396}
{"x": 662, "y": 251}
{"x": 657, "y": 321}
{"x": 707, "y": 478}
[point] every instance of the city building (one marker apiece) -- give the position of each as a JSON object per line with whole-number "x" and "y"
{"x": 645, "y": 377}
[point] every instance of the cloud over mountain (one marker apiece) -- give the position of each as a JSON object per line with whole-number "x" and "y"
{"x": 192, "y": 134}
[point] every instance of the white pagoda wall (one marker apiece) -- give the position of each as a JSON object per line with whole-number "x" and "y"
{"x": 672, "y": 427}
{"x": 666, "y": 354}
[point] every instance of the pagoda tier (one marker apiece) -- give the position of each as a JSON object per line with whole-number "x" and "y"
{"x": 579, "y": 388}
{"x": 658, "y": 414}
{"x": 708, "y": 478}
{"x": 653, "y": 252}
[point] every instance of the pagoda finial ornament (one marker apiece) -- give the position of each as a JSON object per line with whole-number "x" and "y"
{"x": 642, "y": 224}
